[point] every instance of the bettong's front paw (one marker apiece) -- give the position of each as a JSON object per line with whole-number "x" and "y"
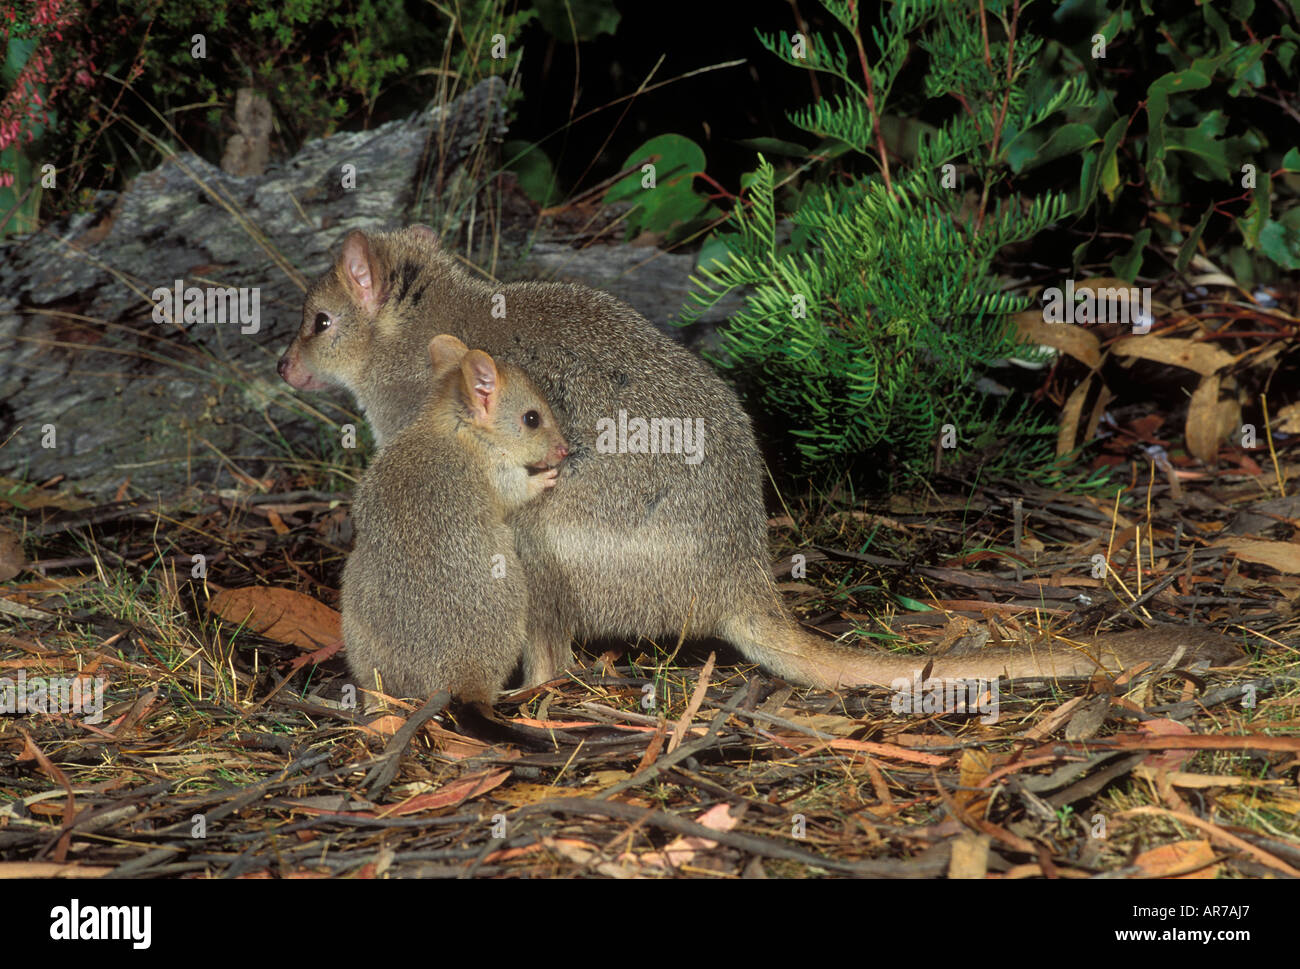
{"x": 541, "y": 480}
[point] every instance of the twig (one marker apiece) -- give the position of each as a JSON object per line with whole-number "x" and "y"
{"x": 382, "y": 774}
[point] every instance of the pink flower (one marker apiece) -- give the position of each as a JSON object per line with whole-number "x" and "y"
{"x": 47, "y": 13}
{"x": 50, "y": 68}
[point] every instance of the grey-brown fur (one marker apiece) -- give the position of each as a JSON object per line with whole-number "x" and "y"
{"x": 434, "y": 596}
{"x": 627, "y": 544}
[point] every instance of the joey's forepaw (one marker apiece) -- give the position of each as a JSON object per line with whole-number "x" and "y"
{"x": 540, "y": 479}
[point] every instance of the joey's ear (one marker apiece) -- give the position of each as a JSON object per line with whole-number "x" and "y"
{"x": 361, "y": 271}
{"x": 446, "y": 352}
{"x": 423, "y": 232}
{"x": 480, "y": 384}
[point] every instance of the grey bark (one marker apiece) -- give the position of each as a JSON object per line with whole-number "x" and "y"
{"x": 85, "y": 368}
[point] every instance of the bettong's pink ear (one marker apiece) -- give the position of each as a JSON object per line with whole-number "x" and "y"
{"x": 445, "y": 351}
{"x": 480, "y": 384}
{"x": 423, "y": 232}
{"x": 361, "y": 270}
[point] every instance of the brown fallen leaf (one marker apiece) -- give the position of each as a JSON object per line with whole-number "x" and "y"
{"x": 53, "y": 585}
{"x": 1216, "y": 834}
{"x": 1180, "y": 778}
{"x": 1076, "y": 341}
{"x": 1283, "y": 556}
{"x": 683, "y": 849}
{"x": 21, "y": 611}
{"x": 1056, "y": 718}
{"x": 384, "y": 726}
{"x": 280, "y": 614}
{"x": 449, "y": 796}
{"x": 1287, "y": 419}
{"x": 20, "y": 494}
{"x": 453, "y": 745}
{"x": 1202, "y": 429}
{"x": 277, "y": 523}
{"x": 1167, "y": 759}
{"x": 50, "y": 869}
{"x": 1167, "y": 861}
{"x": 1279, "y": 801}
{"x": 1194, "y": 355}
{"x": 1088, "y": 718}
{"x": 519, "y": 794}
{"x": 584, "y": 856}
{"x": 1286, "y": 745}
{"x": 828, "y": 723}
{"x": 315, "y": 657}
{"x": 970, "y": 856}
{"x": 683, "y": 725}
{"x": 574, "y": 724}
{"x": 795, "y": 587}
{"x": 974, "y": 766}
{"x": 655, "y": 746}
{"x": 11, "y": 555}
{"x": 885, "y": 750}
{"x": 1071, "y": 414}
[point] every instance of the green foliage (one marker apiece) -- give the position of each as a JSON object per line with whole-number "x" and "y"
{"x": 477, "y": 31}
{"x": 19, "y": 202}
{"x": 570, "y": 21}
{"x": 318, "y": 61}
{"x": 321, "y": 63}
{"x": 20, "y": 199}
{"x": 266, "y": 46}
{"x": 534, "y": 171}
{"x": 1190, "y": 140}
{"x": 870, "y": 327}
{"x": 669, "y": 205}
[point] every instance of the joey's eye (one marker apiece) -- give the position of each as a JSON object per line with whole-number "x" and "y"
{"x": 532, "y": 419}
{"x": 322, "y": 322}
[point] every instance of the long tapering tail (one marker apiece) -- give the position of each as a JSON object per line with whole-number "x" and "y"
{"x": 777, "y": 643}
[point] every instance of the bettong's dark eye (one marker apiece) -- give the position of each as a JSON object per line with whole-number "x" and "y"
{"x": 532, "y": 420}
{"x": 322, "y": 322}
